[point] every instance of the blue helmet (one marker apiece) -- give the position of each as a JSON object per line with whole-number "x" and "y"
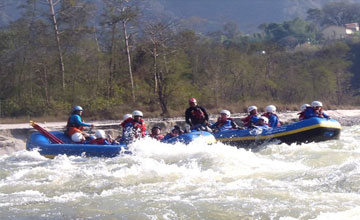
{"x": 78, "y": 108}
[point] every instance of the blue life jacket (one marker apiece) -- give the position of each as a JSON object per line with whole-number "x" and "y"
{"x": 310, "y": 112}
{"x": 223, "y": 126}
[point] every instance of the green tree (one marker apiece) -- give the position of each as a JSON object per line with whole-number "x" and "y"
{"x": 291, "y": 33}
{"x": 335, "y": 13}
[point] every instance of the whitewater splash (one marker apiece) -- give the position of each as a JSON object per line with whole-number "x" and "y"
{"x": 195, "y": 181}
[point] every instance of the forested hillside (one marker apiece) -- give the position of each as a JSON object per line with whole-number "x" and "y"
{"x": 63, "y": 53}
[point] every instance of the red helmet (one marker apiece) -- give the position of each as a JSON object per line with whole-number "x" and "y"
{"x": 192, "y": 100}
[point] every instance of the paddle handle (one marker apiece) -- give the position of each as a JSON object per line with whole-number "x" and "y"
{"x": 47, "y": 134}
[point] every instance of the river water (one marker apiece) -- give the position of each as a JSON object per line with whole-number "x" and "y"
{"x": 197, "y": 181}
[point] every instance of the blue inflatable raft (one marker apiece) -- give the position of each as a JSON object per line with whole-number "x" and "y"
{"x": 186, "y": 138}
{"x": 309, "y": 130}
{"x": 50, "y": 150}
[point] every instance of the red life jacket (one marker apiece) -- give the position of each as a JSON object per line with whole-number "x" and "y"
{"x": 301, "y": 115}
{"x": 157, "y": 136}
{"x": 100, "y": 141}
{"x": 139, "y": 127}
{"x": 266, "y": 114}
{"x": 198, "y": 113}
{"x": 125, "y": 122}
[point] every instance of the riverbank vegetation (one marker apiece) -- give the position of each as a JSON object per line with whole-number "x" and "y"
{"x": 61, "y": 54}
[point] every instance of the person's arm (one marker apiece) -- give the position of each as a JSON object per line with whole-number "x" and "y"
{"x": 77, "y": 121}
{"x": 233, "y": 124}
{"x": 214, "y": 125}
{"x": 187, "y": 117}
{"x": 325, "y": 115}
{"x": 205, "y": 114}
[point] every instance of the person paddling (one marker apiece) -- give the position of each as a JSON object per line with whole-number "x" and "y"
{"x": 224, "y": 122}
{"x": 272, "y": 116}
{"x": 316, "y": 110}
{"x": 102, "y": 139}
{"x": 155, "y": 133}
{"x": 173, "y": 133}
{"x": 135, "y": 128}
{"x": 252, "y": 117}
{"x": 76, "y": 124}
{"x": 262, "y": 122}
{"x": 302, "y": 111}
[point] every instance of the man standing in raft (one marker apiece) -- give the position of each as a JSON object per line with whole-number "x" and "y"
{"x": 196, "y": 116}
{"x": 76, "y": 124}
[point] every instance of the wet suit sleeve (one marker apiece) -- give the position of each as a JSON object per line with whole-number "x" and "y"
{"x": 77, "y": 120}
{"x": 325, "y": 115}
{"x": 187, "y": 116}
{"x": 214, "y": 125}
{"x": 205, "y": 114}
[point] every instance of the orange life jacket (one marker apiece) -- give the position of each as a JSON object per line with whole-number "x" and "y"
{"x": 73, "y": 128}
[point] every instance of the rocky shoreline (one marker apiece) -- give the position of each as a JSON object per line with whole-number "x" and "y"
{"x": 13, "y": 136}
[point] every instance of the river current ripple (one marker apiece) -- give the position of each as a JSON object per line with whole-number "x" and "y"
{"x": 197, "y": 181}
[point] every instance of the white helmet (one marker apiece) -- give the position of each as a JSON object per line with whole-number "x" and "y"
{"x": 100, "y": 134}
{"x": 250, "y": 108}
{"x": 126, "y": 116}
{"x": 270, "y": 109}
{"x": 316, "y": 104}
{"x": 226, "y": 112}
{"x": 137, "y": 113}
{"x": 304, "y": 106}
{"x": 77, "y": 137}
{"x": 266, "y": 120}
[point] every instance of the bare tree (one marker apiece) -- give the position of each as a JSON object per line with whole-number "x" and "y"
{"x": 160, "y": 35}
{"x": 124, "y": 22}
{"x": 57, "y": 37}
{"x": 124, "y": 12}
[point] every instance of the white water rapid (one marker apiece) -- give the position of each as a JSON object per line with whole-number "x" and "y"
{"x": 197, "y": 181}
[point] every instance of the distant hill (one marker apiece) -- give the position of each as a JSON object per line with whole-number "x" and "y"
{"x": 209, "y": 15}
{"x": 248, "y": 14}
{"x": 8, "y": 11}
